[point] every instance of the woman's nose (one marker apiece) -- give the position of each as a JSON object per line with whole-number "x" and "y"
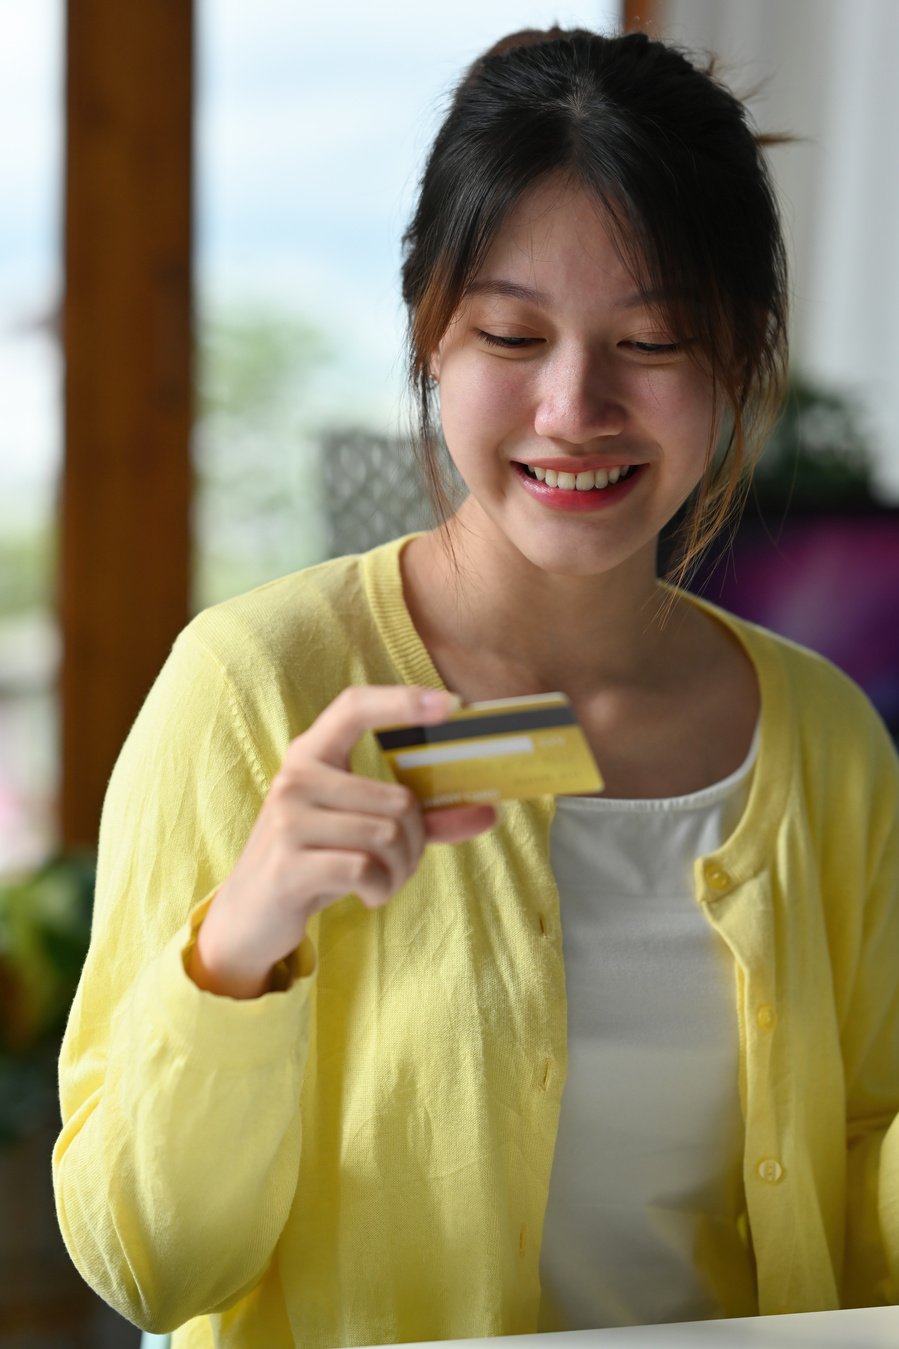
{"x": 579, "y": 401}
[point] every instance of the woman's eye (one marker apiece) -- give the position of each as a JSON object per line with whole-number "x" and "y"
{"x": 509, "y": 343}
{"x": 657, "y": 348}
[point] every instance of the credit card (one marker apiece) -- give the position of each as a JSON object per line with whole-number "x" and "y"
{"x": 506, "y": 749}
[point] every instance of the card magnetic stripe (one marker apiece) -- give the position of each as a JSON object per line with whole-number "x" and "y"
{"x": 468, "y": 728}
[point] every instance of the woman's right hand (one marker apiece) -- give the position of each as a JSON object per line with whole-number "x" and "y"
{"x": 324, "y": 832}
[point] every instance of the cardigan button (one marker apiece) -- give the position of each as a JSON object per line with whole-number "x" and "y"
{"x": 717, "y": 877}
{"x": 770, "y": 1170}
{"x": 766, "y": 1016}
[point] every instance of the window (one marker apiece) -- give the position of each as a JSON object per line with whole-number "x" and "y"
{"x": 312, "y": 128}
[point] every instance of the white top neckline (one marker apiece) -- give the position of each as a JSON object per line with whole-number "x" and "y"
{"x": 706, "y": 796}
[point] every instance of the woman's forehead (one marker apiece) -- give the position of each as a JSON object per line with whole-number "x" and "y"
{"x": 557, "y": 236}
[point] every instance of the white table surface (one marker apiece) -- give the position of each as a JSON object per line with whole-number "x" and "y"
{"x": 864, "y": 1328}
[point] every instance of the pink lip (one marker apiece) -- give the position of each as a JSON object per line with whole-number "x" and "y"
{"x": 561, "y": 500}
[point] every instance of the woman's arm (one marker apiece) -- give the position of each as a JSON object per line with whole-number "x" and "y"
{"x": 181, "y": 1072}
{"x": 180, "y": 1123}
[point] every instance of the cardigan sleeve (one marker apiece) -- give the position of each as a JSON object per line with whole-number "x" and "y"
{"x": 178, "y": 1158}
{"x": 871, "y": 1061}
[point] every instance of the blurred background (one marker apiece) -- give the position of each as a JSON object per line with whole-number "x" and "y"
{"x": 201, "y": 382}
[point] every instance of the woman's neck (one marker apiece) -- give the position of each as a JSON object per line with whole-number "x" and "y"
{"x": 485, "y": 611}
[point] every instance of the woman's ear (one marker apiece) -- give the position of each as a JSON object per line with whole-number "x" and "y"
{"x": 434, "y": 367}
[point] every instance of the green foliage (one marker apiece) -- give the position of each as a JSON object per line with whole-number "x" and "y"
{"x": 44, "y": 932}
{"x": 27, "y": 564}
{"x": 258, "y": 499}
{"x": 255, "y": 365}
{"x": 819, "y": 453}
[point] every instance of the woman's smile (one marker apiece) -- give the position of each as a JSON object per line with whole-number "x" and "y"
{"x": 578, "y": 489}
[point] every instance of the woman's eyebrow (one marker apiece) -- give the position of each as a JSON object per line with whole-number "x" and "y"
{"x": 647, "y": 299}
{"x": 511, "y": 289}
{"x": 514, "y": 290}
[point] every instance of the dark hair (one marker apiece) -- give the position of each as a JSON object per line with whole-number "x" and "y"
{"x": 670, "y": 156}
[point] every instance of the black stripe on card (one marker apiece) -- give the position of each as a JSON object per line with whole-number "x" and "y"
{"x": 473, "y": 728}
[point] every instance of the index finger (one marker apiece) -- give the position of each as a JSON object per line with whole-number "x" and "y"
{"x": 369, "y": 707}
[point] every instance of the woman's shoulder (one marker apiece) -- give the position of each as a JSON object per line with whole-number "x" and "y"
{"x": 311, "y": 613}
{"x": 810, "y": 701}
{"x": 277, "y": 654}
{"x": 257, "y": 668}
{"x": 274, "y": 615}
{"x": 803, "y": 672}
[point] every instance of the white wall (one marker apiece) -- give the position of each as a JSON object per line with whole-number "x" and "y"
{"x": 827, "y": 72}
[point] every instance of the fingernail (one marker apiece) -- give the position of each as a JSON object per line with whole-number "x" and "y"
{"x": 433, "y": 701}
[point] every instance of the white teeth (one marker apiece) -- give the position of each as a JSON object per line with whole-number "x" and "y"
{"x": 581, "y": 482}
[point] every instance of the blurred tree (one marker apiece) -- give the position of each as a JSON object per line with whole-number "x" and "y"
{"x": 819, "y": 454}
{"x": 257, "y": 505}
{"x": 27, "y": 570}
{"x": 44, "y": 932}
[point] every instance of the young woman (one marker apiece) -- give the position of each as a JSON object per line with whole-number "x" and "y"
{"x": 571, "y": 1063}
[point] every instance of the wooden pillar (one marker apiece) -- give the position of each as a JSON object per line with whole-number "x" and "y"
{"x": 124, "y": 552}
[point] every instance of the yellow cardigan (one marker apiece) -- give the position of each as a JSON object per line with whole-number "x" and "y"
{"x": 364, "y": 1155}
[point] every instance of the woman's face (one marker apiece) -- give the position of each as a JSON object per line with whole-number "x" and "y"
{"x": 553, "y": 365}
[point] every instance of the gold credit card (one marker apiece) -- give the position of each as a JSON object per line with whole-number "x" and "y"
{"x": 500, "y": 750}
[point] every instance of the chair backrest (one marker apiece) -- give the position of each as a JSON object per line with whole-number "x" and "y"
{"x": 373, "y": 491}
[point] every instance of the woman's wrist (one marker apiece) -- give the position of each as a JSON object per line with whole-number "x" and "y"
{"x": 222, "y": 978}
{"x": 220, "y": 961}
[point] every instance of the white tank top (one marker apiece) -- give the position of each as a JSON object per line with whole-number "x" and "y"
{"x": 646, "y": 1184}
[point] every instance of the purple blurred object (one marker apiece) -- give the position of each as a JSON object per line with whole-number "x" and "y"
{"x": 827, "y": 580}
